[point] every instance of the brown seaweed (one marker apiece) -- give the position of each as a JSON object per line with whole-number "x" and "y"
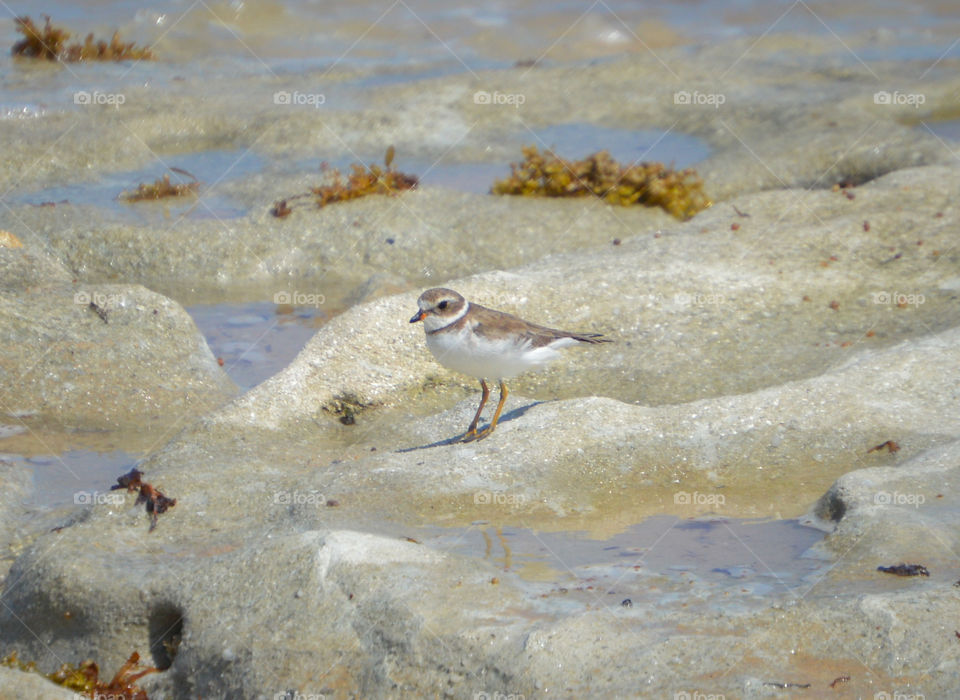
{"x": 157, "y": 503}
{"x": 84, "y": 678}
{"x": 905, "y": 570}
{"x": 679, "y": 192}
{"x": 163, "y": 188}
{"x": 50, "y": 44}
{"x": 889, "y": 444}
{"x": 361, "y": 182}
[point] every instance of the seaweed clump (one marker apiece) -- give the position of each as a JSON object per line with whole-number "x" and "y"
{"x": 50, "y": 44}
{"x": 162, "y": 188}
{"x": 905, "y": 570}
{"x": 157, "y": 503}
{"x": 362, "y": 181}
{"x": 84, "y": 678}
{"x": 679, "y": 192}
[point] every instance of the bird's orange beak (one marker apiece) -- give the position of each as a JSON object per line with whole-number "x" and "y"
{"x": 419, "y": 316}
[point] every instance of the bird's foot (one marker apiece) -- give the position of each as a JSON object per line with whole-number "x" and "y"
{"x": 473, "y": 435}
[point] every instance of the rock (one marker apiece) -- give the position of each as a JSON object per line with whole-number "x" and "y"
{"x": 16, "y": 684}
{"x": 882, "y": 516}
{"x": 436, "y": 234}
{"x": 378, "y": 285}
{"x": 17, "y": 484}
{"x": 722, "y": 447}
{"x": 762, "y": 349}
{"x": 26, "y": 268}
{"x": 821, "y": 129}
{"x": 421, "y": 620}
{"x": 96, "y": 356}
{"x": 372, "y": 613}
{"x": 371, "y": 356}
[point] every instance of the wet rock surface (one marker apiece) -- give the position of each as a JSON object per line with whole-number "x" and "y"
{"x": 777, "y": 299}
{"x": 762, "y": 351}
{"x": 23, "y": 684}
{"x": 95, "y": 356}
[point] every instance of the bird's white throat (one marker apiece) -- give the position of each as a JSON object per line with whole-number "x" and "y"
{"x": 434, "y": 323}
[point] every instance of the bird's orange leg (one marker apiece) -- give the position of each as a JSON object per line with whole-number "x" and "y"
{"x": 496, "y": 416}
{"x": 471, "y": 433}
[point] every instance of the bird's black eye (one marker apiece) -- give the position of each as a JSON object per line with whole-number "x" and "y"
{"x": 442, "y": 305}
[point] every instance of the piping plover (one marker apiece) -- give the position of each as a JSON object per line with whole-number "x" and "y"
{"x": 488, "y": 344}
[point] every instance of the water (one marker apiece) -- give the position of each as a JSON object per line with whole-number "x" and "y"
{"x": 425, "y": 37}
{"x": 662, "y": 560}
{"x": 628, "y": 146}
{"x": 256, "y": 340}
{"x": 75, "y": 477}
{"x": 210, "y": 168}
{"x": 948, "y": 131}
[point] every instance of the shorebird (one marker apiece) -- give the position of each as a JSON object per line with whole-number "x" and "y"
{"x": 488, "y": 344}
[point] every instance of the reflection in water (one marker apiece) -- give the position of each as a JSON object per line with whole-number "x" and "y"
{"x": 657, "y": 559}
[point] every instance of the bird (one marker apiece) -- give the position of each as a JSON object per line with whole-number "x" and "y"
{"x": 488, "y": 344}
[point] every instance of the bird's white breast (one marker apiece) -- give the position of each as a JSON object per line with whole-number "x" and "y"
{"x": 477, "y": 356}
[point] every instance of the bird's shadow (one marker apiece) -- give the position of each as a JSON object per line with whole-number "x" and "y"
{"x": 455, "y": 440}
